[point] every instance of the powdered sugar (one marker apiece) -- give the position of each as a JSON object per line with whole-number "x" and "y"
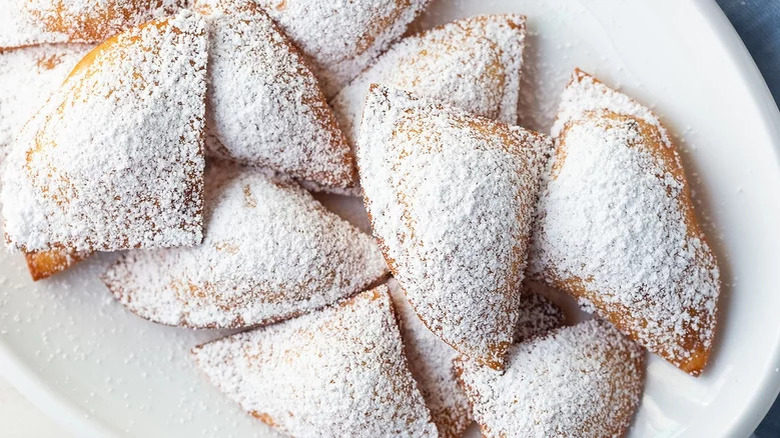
{"x": 473, "y": 64}
{"x": 340, "y": 38}
{"x": 616, "y": 228}
{"x": 28, "y": 76}
{"x": 451, "y": 198}
{"x": 270, "y": 252}
{"x": 336, "y": 371}
{"x": 430, "y": 361}
{"x": 30, "y": 22}
{"x": 584, "y": 94}
{"x": 582, "y": 381}
{"x": 114, "y": 159}
{"x": 537, "y": 316}
{"x": 265, "y": 105}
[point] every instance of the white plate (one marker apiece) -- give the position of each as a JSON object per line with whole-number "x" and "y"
{"x": 105, "y": 372}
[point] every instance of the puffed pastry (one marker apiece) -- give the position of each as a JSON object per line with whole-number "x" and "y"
{"x": 431, "y": 359}
{"x": 270, "y": 252}
{"x": 616, "y": 227}
{"x": 473, "y": 64}
{"x": 265, "y": 106}
{"x": 28, "y": 76}
{"x": 114, "y": 159}
{"x": 339, "y": 371}
{"x": 451, "y": 199}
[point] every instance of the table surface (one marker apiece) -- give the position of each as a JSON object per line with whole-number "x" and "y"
{"x": 756, "y": 21}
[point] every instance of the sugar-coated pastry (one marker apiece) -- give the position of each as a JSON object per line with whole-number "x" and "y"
{"x": 451, "y": 198}
{"x": 114, "y": 160}
{"x": 270, "y": 252}
{"x": 265, "y": 106}
{"x": 31, "y": 22}
{"x": 337, "y": 372}
{"x": 579, "y": 381}
{"x": 473, "y": 64}
{"x": 340, "y": 39}
{"x": 616, "y": 226}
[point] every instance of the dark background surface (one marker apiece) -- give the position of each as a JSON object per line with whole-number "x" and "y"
{"x": 758, "y": 24}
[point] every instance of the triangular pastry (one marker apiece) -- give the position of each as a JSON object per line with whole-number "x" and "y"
{"x": 28, "y": 76}
{"x": 451, "y": 197}
{"x": 31, "y": 22}
{"x": 579, "y": 381}
{"x": 473, "y": 64}
{"x": 339, "y": 371}
{"x": 270, "y": 252}
{"x": 265, "y": 106}
{"x": 114, "y": 160}
{"x": 339, "y": 40}
{"x": 431, "y": 359}
{"x": 617, "y": 229}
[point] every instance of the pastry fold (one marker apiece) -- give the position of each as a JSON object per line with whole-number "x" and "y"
{"x": 617, "y": 230}
{"x": 451, "y": 198}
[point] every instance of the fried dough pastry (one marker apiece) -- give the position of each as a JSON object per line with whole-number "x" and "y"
{"x": 265, "y": 106}
{"x": 338, "y": 371}
{"x": 270, "y": 252}
{"x": 431, "y": 359}
{"x": 451, "y": 198}
{"x": 114, "y": 159}
{"x": 616, "y": 227}
{"x": 473, "y": 64}
{"x": 340, "y": 40}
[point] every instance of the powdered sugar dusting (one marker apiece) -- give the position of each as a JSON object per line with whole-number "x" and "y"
{"x": 28, "y": 76}
{"x": 30, "y": 22}
{"x": 430, "y": 361}
{"x": 537, "y": 316}
{"x": 265, "y": 105}
{"x": 616, "y": 228}
{"x": 451, "y": 199}
{"x": 270, "y": 252}
{"x": 340, "y": 39}
{"x": 324, "y": 374}
{"x": 114, "y": 159}
{"x": 584, "y": 93}
{"x": 473, "y": 64}
{"x": 582, "y": 381}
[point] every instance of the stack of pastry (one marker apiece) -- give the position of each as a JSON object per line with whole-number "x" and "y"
{"x": 192, "y": 134}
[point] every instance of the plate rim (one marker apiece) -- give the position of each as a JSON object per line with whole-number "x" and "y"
{"x": 77, "y": 421}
